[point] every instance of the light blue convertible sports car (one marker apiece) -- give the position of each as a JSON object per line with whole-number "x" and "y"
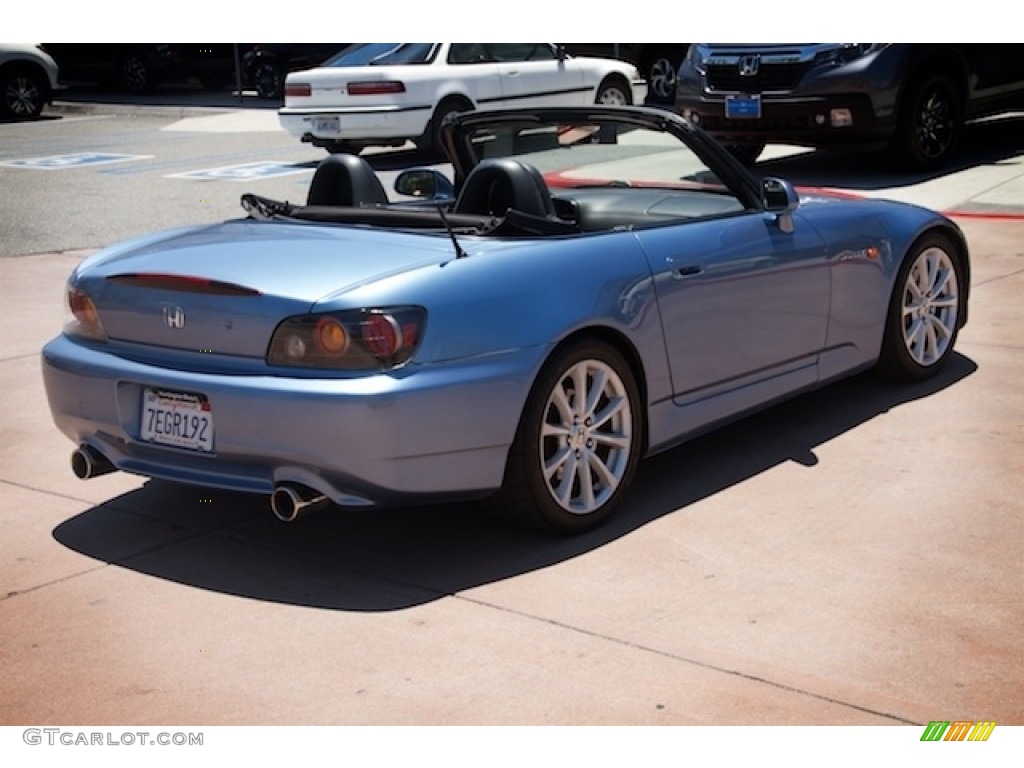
{"x": 595, "y": 285}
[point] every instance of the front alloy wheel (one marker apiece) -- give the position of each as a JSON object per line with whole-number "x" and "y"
{"x": 579, "y": 441}
{"x": 924, "y": 315}
{"x": 615, "y": 93}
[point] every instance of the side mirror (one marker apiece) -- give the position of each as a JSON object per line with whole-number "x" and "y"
{"x": 779, "y": 197}
{"x": 560, "y": 52}
{"x": 425, "y": 183}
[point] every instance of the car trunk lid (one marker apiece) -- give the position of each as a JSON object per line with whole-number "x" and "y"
{"x": 224, "y": 289}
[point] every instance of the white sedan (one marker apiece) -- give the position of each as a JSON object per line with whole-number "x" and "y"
{"x": 383, "y": 94}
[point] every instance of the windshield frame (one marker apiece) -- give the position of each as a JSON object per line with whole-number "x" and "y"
{"x": 458, "y": 131}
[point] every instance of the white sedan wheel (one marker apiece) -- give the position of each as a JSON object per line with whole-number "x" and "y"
{"x": 614, "y": 94}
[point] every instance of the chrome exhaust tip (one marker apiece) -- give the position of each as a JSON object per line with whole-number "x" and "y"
{"x": 288, "y": 500}
{"x": 87, "y": 462}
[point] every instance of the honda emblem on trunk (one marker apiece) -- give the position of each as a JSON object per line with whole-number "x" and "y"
{"x": 749, "y": 65}
{"x": 174, "y": 317}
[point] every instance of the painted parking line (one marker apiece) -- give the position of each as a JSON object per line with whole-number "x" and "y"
{"x": 245, "y": 172}
{"x": 75, "y": 160}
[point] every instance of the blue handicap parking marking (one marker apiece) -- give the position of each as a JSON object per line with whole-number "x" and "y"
{"x": 75, "y": 160}
{"x": 245, "y": 172}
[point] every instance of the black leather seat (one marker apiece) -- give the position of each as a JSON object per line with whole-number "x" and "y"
{"x": 346, "y": 180}
{"x": 496, "y": 185}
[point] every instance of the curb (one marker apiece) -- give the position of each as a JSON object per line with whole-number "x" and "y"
{"x": 132, "y": 110}
{"x": 62, "y": 107}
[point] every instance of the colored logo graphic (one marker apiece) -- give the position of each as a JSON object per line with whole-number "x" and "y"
{"x": 958, "y": 730}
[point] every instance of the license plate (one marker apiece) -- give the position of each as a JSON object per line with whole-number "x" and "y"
{"x": 743, "y": 107}
{"x": 326, "y": 125}
{"x": 181, "y": 419}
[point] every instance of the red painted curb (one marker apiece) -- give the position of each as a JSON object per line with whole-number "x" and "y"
{"x": 984, "y": 215}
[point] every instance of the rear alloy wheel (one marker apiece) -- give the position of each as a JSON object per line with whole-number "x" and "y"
{"x": 614, "y": 92}
{"x": 924, "y": 312}
{"x": 24, "y": 95}
{"x": 930, "y": 123}
{"x": 578, "y": 443}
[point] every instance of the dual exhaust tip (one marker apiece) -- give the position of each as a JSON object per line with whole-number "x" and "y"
{"x": 287, "y": 501}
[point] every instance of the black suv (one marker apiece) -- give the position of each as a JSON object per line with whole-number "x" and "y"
{"x": 912, "y": 98}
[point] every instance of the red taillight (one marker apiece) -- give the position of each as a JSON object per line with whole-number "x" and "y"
{"x": 298, "y": 89}
{"x": 376, "y": 87}
{"x": 381, "y": 335}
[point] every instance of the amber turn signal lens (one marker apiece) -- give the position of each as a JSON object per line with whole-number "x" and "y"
{"x": 82, "y": 307}
{"x": 331, "y": 336}
{"x": 86, "y": 320}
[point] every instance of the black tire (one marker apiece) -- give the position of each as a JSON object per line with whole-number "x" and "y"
{"x": 660, "y": 69}
{"x": 930, "y": 124}
{"x": 268, "y": 79}
{"x": 614, "y": 91}
{"x": 134, "y": 74}
{"x": 430, "y": 141}
{"x": 925, "y": 311}
{"x": 746, "y": 153}
{"x": 591, "y": 461}
{"x": 23, "y": 93}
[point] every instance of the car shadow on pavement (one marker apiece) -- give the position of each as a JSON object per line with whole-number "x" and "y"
{"x": 385, "y": 560}
{"x": 987, "y": 142}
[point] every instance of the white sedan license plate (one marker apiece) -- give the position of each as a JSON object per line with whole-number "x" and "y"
{"x": 326, "y": 125}
{"x": 743, "y": 107}
{"x": 181, "y": 419}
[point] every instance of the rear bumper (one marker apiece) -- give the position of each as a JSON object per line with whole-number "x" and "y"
{"x": 381, "y": 124}
{"x": 430, "y": 434}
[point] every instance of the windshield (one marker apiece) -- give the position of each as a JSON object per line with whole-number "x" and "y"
{"x": 376, "y": 54}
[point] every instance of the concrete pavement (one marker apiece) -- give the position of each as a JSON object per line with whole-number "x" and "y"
{"x": 849, "y": 558}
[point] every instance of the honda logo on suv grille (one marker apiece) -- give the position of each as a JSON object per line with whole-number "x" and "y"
{"x": 749, "y": 65}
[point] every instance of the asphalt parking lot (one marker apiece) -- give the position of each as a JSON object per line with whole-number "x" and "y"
{"x": 851, "y": 557}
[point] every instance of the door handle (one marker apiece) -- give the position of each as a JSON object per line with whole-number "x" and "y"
{"x": 687, "y": 270}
